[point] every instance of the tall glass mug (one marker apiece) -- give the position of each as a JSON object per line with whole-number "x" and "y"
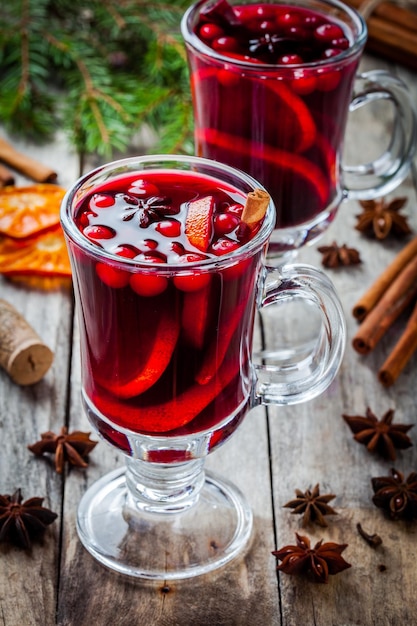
{"x": 272, "y": 84}
{"x": 168, "y": 273}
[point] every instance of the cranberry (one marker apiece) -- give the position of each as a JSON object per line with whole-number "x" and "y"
{"x": 99, "y": 232}
{"x": 225, "y": 223}
{"x": 129, "y": 252}
{"x": 148, "y": 244}
{"x": 84, "y": 219}
{"x": 236, "y": 209}
{"x": 112, "y": 276}
{"x": 266, "y": 25}
{"x": 177, "y": 248}
{"x": 255, "y": 12}
{"x": 225, "y": 44}
{"x": 169, "y": 228}
{"x": 330, "y": 52}
{"x": 327, "y": 81}
{"x": 101, "y": 201}
{"x": 289, "y": 19}
{"x": 304, "y": 84}
{"x": 208, "y": 32}
{"x": 152, "y": 257}
{"x": 223, "y": 245}
{"x": 341, "y": 42}
{"x": 143, "y": 188}
{"x": 148, "y": 285}
{"x": 326, "y": 32}
{"x": 191, "y": 282}
{"x": 290, "y": 59}
{"x": 192, "y": 257}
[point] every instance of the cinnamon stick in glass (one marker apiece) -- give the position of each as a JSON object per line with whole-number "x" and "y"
{"x": 255, "y": 207}
{"x": 25, "y": 165}
{"x": 393, "y": 302}
{"x": 6, "y": 177}
{"x": 401, "y": 353}
{"x": 369, "y": 299}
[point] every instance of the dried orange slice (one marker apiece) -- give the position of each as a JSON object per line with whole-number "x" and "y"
{"x": 25, "y": 211}
{"x": 198, "y": 223}
{"x": 41, "y": 255}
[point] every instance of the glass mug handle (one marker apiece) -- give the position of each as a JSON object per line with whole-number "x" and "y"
{"x": 294, "y": 381}
{"x": 386, "y": 172}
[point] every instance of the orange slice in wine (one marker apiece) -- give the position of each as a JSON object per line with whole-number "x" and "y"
{"x": 25, "y": 211}
{"x": 198, "y": 223}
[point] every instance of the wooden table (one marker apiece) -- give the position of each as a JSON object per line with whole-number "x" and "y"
{"x": 274, "y": 452}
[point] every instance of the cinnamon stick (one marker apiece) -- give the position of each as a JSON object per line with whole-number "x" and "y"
{"x": 401, "y": 353}
{"x": 25, "y": 165}
{"x": 22, "y": 353}
{"x": 257, "y": 202}
{"x": 6, "y": 177}
{"x": 383, "y": 282}
{"x": 393, "y": 302}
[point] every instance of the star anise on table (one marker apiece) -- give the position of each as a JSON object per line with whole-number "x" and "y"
{"x": 380, "y": 218}
{"x": 335, "y": 255}
{"x": 398, "y": 497}
{"x": 312, "y": 505}
{"x": 149, "y": 210}
{"x": 72, "y": 447}
{"x": 21, "y": 522}
{"x": 380, "y": 436}
{"x": 316, "y": 563}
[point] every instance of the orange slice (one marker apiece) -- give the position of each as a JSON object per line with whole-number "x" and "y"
{"x": 42, "y": 255}
{"x": 198, "y": 223}
{"x": 25, "y": 211}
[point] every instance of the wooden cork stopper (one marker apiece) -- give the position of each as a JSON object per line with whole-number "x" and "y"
{"x": 22, "y": 353}
{"x": 255, "y": 208}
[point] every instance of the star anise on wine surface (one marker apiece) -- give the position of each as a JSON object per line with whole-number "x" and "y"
{"x": 72, "y": 447}
{"x": 312, "y": 506}
{"x": 268, "y": 47}
{"x": 149, "y": 210}
{"x": 398, "y": 497}
{"x": 316, "y": 563}
{"x": 380, "y": 436}
{"x": 21, "y": 522}
{"x": 380, "y": 218}
{"x": 335, "y": 255}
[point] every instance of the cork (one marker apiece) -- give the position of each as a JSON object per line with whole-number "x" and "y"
{"x": 23, "y": 355}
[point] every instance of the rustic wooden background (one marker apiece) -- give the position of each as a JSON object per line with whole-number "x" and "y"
{"x": 273, "y": 453}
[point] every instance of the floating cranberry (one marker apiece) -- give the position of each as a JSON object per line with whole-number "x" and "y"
{"x": 289, "y": 19}
{"x": 290, "y": 59}
{"x": 253, "y": 13}
{"x": 330, "y": 53}
{"x": 101, "y": 201}
{"x": 152, "y": 257}
{"x": 143, "y": 188}
{"x": 127, "y": 251}
{"x": 84, "y": 219}
{"x": 225, "y": 44}
{"x": 224, "y": 245}
{"x": 236, "y": 209}
{"x": 99, "y": 232}
{"x": 148, "y": 285}
{"x": 191, "y": 282}
{"x": 192, "y": 257}
{"x": 112, "y": 276}
{"x": 177, "y": 248}
{"x": 304, "y": 84}
{"x": 266, "y": 25}
{"x": 210, "y": 31}
{"x": 169, "y": 228}
{"x": 225, "y": 223}
{"x": 148, "y": 244}
{"x": 326, "y": 32}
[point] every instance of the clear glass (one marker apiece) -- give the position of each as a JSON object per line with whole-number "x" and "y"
{"x": 162, "y": 517}
{"x": 285, "y": 123}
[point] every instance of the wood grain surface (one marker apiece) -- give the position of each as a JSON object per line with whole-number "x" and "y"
{"x": 275, "y": 451}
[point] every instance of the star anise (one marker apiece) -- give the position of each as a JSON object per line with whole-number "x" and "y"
{"x": 398, "y": 497}
{"x": 72, "y": 447}
{"x": 149, "y": 210}
{"x": 335, "y": 255}
{"x": 269, "y": 46}
{"x": 20, "y": 522}
{"x": 380, "y": 218}
{"x": 317, "y": 563}
{"x": 379, "y": 435}
{"x": 312, "y": 505}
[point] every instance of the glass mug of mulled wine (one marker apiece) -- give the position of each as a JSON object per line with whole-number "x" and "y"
{"x": 272, "y": 85}
{"x": 169, "y": 269}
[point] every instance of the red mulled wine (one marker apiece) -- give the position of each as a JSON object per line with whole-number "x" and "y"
{"x": 275, "y": 103}
{"x": 167, "y": 327}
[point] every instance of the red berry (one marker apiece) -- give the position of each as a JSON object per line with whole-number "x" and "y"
{"x": 194, "y": 281}
{"x": 290, "y": 59}
{"x": 148, "y": 285}
{"x": 327, "y": 81}
{"x": 147, "y": 244}
{"x": 330, "y": 52}
{"x": 326, "y": 32}
{"x": 143, "y": 188}
{"x": 129, "y": 252}
{"x": 169, "y": 228}
{"x": 224, "y": 245}
{"x": 99, "y": 232}
{"x": 236, "y": 209}
{"x": 112, "y": 276}
{"x": 84, "y": 219}
{"x": 225, "y": 44}
{"x": 225, "y": 223}
{"x": 289, "y": 19}
{"x": 304, "y": 85}
{"x": 342, "y": 43}
{"x": 100, "y": 200}
{"x": 152, "y": 257}
{"x": 210, "y": 31}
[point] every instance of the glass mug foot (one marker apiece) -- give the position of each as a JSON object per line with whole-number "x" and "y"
{"x": 202, "y": 537}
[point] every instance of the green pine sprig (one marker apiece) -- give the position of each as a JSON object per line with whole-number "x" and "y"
{"x": 99, "y": 69}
